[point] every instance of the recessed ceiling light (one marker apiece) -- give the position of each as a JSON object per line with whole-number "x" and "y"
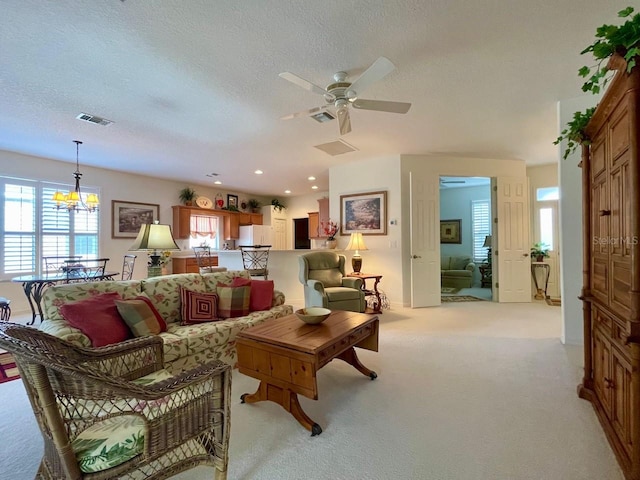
{"x": 218, "y": 182}
{"x": 311, "y": 179}
{"x": 258, "y": 172}
{"x": 287, "y": 191}
{"x": 315, "y": 187}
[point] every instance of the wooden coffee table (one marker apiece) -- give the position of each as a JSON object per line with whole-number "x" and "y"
{"x": 285, "y": 354}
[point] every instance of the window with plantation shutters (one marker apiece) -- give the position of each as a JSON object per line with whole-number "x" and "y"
{"x": 480, "y": 227}
{"x": 32, "y": 227}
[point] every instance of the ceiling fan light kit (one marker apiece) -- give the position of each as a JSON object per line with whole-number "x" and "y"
{"x": 341, "y": 94}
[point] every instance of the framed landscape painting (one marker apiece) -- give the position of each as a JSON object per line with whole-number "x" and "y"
{"x": 450, "y": 231}
{"x": 128, "y": 217}
{"x": 364, "y": 212}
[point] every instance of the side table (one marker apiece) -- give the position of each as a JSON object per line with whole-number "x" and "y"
{"x": 546, "y": 270}
{"x": 485, "y": 275}
{"x": 377, "y": 305}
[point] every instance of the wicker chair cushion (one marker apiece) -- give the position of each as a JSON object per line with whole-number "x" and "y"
{"x": 141, "y": 317}
{"x": 98, "y": 318}
{"x": 109, "y": 443}
{"x": 234, "y": 301}
{"x": 261, "y": 294}
{"x": 196, "y": 307}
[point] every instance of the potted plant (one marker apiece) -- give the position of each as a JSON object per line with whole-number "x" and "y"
{"x": 622, "y": 40}
{"x": 277, "y": 205}
{"x": 187, "y": 195}
{"x": 254, "y": 205}
{"x": 539, "y": 251}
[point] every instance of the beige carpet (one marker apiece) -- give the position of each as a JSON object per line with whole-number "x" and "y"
{"x": 465, "y": 391}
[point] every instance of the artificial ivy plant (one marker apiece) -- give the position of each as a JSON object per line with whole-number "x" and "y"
{"x": 610, "y": 39}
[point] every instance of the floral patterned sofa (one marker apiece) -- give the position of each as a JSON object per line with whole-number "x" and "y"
{"x": 185, "y": 346}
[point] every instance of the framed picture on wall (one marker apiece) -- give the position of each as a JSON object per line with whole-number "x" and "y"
{"x": 232, "y": 201}
{"x": 364, "y": 212}
{"x": 450, "y": 231}
{"x": 128, "y": 217}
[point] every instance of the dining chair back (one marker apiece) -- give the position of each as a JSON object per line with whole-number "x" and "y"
{"x": 255, "y": 259}
{"x": 128, "y": 262}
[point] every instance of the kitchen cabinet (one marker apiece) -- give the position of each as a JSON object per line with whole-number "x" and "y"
{"x": 189, "y": 264}
{"x": 229, "y": 220}
{"x": 314, "y": 225}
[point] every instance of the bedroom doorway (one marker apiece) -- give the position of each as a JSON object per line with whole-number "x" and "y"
{"x": 465, "y": 238}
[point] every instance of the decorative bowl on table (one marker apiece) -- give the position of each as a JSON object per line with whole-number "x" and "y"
{"x": 313, "y": 315}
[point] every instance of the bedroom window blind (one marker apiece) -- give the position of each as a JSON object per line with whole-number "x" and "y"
{"x": 481, "y": 227}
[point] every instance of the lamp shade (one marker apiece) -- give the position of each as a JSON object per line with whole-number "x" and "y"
{"x": 356, "y": 242}
{"x": 487, "y": 241}
{"x": 154, "y": 237}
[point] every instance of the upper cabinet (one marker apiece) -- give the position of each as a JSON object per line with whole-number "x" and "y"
{"x": 230, "y": 220}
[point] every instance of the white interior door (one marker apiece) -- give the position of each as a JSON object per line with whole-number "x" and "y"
{"x": 279, "y": 232}
{"x": 546, "y": 231}
{"x": 512, "y": 254}
{"x": 425, "y": 241}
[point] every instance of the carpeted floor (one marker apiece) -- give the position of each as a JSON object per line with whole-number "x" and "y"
{"x": 466, "y": 391}
{"x": 8, "y": 369}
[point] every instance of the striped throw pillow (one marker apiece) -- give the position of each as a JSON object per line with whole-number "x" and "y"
{"x": 196, "y": 307}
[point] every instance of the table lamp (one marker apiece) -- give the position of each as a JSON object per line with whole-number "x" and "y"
{"x": 487, "y": 244}
{"x": 153, "y": 237}
{"x": 356, "y": 242}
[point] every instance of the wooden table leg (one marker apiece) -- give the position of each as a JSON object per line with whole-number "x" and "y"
{"x": 287, "y": 400}
{"x": 351, "y": 358}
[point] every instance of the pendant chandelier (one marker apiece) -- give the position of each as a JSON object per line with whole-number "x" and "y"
{"x": 73, "y": 200}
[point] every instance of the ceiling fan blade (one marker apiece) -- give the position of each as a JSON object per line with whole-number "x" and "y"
{"x": 377, "y": 71}
{"x": 304, "y": 113}
{"x": 381, "y": 105}
{"x": 344, "y": 120}
{"x": 306, "y": 84}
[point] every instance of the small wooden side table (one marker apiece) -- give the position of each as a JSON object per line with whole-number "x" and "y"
{"x": 377, "y": 305}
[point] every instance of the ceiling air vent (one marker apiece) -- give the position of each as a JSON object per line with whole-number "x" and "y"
{"x": 323, "y": 117}
{"x": 336, "y": 148}
{"x": 93, "y": 119}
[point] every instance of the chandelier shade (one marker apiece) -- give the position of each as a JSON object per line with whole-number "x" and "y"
{"x": 73, "y": 200}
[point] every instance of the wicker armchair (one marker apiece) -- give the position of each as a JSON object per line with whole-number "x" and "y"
{"x": 182, "y": 420}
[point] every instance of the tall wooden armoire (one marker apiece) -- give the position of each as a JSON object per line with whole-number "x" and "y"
{"x": 611, "y": 265}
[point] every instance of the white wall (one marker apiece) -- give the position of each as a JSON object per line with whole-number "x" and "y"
{"x": 299, "y": 207}
{"x": 570, "y": 179}
{"x": 432, "y": 167}
{"x": 384, "y": 254}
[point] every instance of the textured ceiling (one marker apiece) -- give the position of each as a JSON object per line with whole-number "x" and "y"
{"x": 193, "y": 86}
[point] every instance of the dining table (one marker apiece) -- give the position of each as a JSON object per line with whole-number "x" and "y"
{"x": 35, "y": 285}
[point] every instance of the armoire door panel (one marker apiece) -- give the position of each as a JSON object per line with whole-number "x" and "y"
{"x": 620, "y": 273}
{"x": 621, "y": 398}
{"x": 597, "y": 157}
{"x": 600, "y": 218}
{"x": 619, "y": 133}
{"x": 600, "y": 278}
{"x": 601, "y": 369}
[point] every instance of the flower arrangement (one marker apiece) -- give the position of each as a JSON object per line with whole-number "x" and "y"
{"x": 164, "y": 258}
{"x": 330, "y": 229}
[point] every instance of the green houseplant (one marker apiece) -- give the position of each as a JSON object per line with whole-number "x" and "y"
{"x": 623, "y": 40}
{"x": 277, "y": 205}
{"x": 187, "y": 195}
{"x": 539, "y": 251}
{"x": 254, "y": 205}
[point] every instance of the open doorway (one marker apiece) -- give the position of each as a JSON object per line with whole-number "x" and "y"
{"x": 465, "y": 238}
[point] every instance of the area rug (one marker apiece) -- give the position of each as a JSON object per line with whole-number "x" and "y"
{"x": 449, "y": 290}
{"x": 8, "y": 369}
{"x": 554, "y": 302}
{"x": 462, "y": 298}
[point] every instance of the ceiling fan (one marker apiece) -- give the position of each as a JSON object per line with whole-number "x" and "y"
{"x": 444, "y": 183}
{"x": 341, "y": 94}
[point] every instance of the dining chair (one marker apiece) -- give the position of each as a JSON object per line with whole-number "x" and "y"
{"x": 114, "y": 412}
{"x": 86, "y": 270}
{"x": 205, "y": 260}
{"x": 255, "y": 260}
{"x": 56, "y": 264}
{"x": 128, "y": 262}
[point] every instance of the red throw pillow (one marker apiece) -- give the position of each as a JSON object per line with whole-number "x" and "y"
{"x": 98, "y": 318}
{"x": 261, "y": 295}
{"x": 196, "y": 307}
